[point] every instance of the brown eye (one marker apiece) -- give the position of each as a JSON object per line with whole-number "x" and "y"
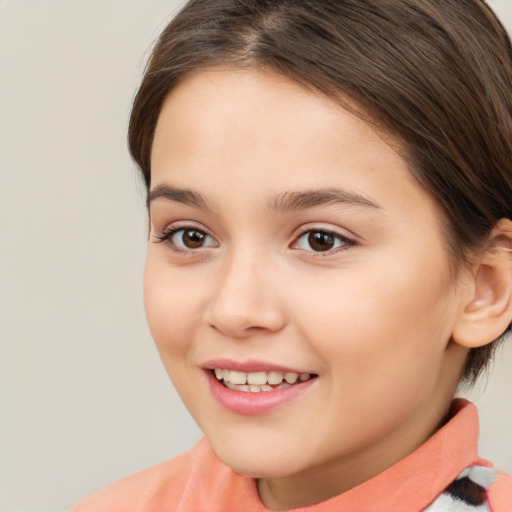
{"x": 321, "y": 241}
{"x": 186, "y": 239}
{"x": 192, "y": 238}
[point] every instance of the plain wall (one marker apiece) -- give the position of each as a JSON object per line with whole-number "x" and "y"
{"x": 84, "y": 399}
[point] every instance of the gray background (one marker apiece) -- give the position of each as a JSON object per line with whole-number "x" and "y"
{"x": 84, "y": 399}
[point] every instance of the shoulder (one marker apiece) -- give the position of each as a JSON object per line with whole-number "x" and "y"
{"x": 158, "y": 486}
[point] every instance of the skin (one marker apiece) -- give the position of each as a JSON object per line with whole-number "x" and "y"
{"x": 372, "y": 318}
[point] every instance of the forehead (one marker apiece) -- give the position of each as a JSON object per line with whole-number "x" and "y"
{"x": 223, "y": 112}
{"x": 253, "y": 131}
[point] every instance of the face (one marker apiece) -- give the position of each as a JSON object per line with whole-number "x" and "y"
{"x": 293, "y": 257}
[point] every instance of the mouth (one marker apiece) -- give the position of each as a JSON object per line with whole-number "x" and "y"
{"x": 256, "y": 387}
{"x": 261, "y": 381}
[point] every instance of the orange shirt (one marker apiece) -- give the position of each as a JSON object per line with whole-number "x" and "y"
{"x": 198, "y": 481}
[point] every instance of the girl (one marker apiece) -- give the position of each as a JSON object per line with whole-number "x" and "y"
{"x": 329, "y": 190}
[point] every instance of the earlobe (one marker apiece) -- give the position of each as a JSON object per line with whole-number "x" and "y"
{"x": 487, "y": 312}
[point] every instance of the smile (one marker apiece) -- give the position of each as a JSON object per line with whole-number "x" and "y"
{"x": 256, "y": 392}
{"x": 255, "y": 382}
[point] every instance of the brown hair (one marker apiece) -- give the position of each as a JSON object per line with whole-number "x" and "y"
{"x": 435, "y": 73}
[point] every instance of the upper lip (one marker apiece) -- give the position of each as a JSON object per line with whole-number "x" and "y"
{"x": 249, "y": 366}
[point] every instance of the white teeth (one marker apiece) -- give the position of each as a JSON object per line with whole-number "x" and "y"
{"x": 251, "y": 388}
{"x": 258, "y": 381}
{"x": 238, "y": 378}
{"x": 291, "y": 378}
{"x": 275, "y": 377}
{"x": 238, "y": 387}
{"x": 257, "y": 378}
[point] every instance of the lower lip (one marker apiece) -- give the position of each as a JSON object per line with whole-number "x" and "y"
{"x": 245, "y": 402}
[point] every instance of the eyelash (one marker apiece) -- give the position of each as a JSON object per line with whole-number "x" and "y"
{"x": 167, "y": 235}
{"x": 346, "y": 242}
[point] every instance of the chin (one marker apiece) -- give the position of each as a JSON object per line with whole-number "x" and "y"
{"x": 257, "y": 461}
{"x": 257, "y": 470}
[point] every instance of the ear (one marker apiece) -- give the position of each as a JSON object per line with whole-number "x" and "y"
{"x": 487, "y": 309}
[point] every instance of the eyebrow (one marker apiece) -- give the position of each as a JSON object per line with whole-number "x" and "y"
{"x": 180, "y": 195}
{"x": 288, "y": 201}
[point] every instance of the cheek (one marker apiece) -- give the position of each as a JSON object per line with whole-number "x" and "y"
{"x": 382, "y": 342}
{"x": 170, "y": 308}
{"x": 387, "y": 322}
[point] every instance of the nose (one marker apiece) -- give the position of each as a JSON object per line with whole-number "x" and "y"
{"x": 247, "y": 299}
